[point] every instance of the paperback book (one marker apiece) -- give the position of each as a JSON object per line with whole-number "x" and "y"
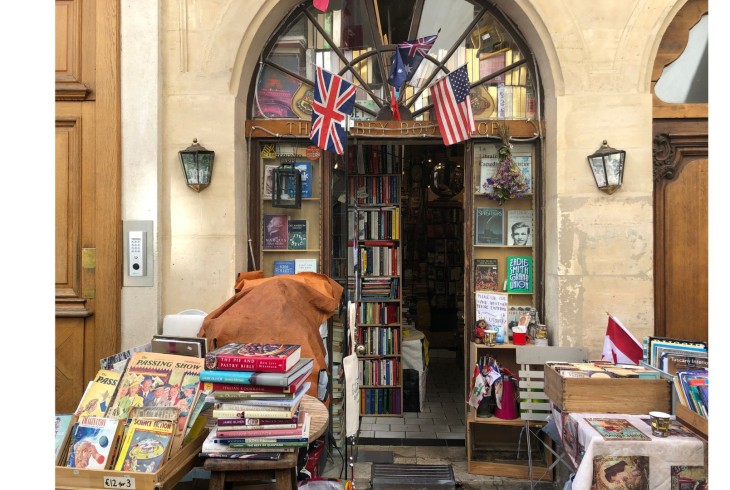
{"x": 489, "y": 226}
{"x": 99, "y": 394}
{"x": 276, "y": 231}
{"x": 488, "y": 155}
{"x": 519, "y": 227}
{"x": 302, "y": 368}
{"x": 522, "y": 157}
{"x": 519, "y": 274}
{"x": 92, "y": 443}
{"x": 209, "y": 446}
{"x": 305, "y": 265}
{"x": 146, "y": 445}
{"x": 283, "y": 267}
{"x": 252, "y": 356}
{"x": 297, "y": 234}
{"x": 266, "y": 403}
{"x": 485, "y": 274}
{"x": 268, "y": 180}
{"x": 305, "y": 170}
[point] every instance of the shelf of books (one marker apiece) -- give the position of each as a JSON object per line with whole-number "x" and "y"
{"x": 291, "y": 237}
{"x": 375, "y": 280}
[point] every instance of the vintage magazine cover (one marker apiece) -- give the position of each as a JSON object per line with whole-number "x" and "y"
{"x": 99, "y": 394}
{"x": 93, "y": 442}
{"x": 146, "y": 445}
{"x": 689, "y": 478}
{"x": 617, "y": 429}
{"x": 621, "y": 473}
{"x": 64, "y": 423}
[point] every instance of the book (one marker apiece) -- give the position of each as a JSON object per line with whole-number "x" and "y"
{"x": 92, "y": 442}
{"x": 305, "y": 170}
{"x": 489, "y": 226}
{"x": 118, "y": 361}
{"x": 485, "y": 274}
{"x": 254, "y": 413}
{"x": 488, "y": 154}
{"x": 253, "y": 356}
{"x": 146, "y": 445}
{"x": 268, "y": 180}
{"x": 611, "y": 472}
{"x": 303, "y": 367}
{"x": 519, "y": 274}
{"x": 301, "y": 430}
{"x": 519, "y": 227}
{"x": 237, "y": 454}
{"x": 283, "y": 267}
{"x": 297, "y": 232}
{"x": 160, "y": 380}
{"x": 276, "y": 232}
{"x": 305, "y": 265}
{"x": 215, "y": 387}
{"x": 238, "y": 421}
{"x": 64, "y": 424}
{"x": 522, "y": 157}
{"x": 689, "y": 478}
{"x": 99, "y": 394}
{"x": 254, "y": 427}
{"x": 210, "y": 446}
{"x": 285, "y": 403}
{"x": 617, "y": 429}
{"x": 184, "y": 346}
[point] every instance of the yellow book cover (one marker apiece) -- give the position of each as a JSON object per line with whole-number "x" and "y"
{"x": 146, "y": 445}
{"x": 99, "y": 394}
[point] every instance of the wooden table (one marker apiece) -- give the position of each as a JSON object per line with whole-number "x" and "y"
{"x": 283, "y": 471}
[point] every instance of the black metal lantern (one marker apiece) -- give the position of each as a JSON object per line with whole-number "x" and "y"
{"x": 197, "y": 165}
{"x": 607, "y": 165}
{"x": 286, "y": 187}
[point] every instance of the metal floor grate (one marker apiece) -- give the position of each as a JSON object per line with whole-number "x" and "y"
{"x": 411, "y": 476}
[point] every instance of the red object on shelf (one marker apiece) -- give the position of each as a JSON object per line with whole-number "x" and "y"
{"x": 519, "y": 338}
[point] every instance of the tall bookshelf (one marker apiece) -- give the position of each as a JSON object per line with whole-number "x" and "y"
{"x": 374, "y": 180}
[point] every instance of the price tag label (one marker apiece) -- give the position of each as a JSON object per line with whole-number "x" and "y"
{"x": 119, "y": 482}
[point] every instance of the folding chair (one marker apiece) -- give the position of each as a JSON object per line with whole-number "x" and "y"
{"x": 532, "y": 387}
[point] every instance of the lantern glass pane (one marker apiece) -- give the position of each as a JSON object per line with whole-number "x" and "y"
{"x": 598, "y": 171}
{"x": 613, "y": 168}
{"x": 205, "y": 167}
{"x": 191, "y": 169}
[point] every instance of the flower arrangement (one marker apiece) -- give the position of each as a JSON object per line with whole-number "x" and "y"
{"x": 508, "y": 182}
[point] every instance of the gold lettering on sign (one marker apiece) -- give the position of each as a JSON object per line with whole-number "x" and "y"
{"x": 303, "y": 127}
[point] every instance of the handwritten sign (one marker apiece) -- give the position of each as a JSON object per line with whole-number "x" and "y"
{"x": 119, "y": 482}
{"x": 492, "y": 307}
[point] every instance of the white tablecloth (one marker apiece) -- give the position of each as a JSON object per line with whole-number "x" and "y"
{"x": 663, "y": 452}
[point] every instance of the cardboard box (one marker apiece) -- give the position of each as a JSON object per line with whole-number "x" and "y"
{"x": 167, "y": 476}
{"x": 608, "y": 395}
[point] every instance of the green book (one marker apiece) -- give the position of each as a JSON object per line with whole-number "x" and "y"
{"x": 519, "y": 274}
{"x": 297, "y": 234}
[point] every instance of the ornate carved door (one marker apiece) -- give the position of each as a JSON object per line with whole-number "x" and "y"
{"x": 87, "y": 193}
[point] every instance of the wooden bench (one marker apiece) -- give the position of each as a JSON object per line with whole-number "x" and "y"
{"x": 283, "y": 472}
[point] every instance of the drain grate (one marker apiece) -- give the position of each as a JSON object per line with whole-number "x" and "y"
{"x": 411, "y": 476}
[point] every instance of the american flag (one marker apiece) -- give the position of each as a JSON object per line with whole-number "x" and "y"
{"x": 451, "y": 101}
{"x": 407, "y": 58}
{"x": 334, "y": 98}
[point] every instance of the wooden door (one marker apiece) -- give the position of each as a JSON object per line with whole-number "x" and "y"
{"x": 87, "y": 193}
{"x": 681, "y": 166}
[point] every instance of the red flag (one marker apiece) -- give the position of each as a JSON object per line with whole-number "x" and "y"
{"x": 620, "y": 346}
{"x": 394, "y": 104}
{"x": 321, "y": 4}
{"x": 452, "y": 103}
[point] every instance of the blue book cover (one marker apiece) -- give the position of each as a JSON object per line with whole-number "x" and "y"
{"x": 302, "y": 367}
{"x": 282, "y": 267}
{"x": 305, "y": 168}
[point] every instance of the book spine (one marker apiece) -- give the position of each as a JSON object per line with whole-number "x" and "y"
{"x": 243, "y": 378}
{"x": 259, "y": 433}
{"x": 268, "y": 444}
{"x": 255, "y": 440}
{"x": 251, "y": 414}
{"x": 226, "y": 422}
{"x": 248, "y": 428}
{"x": 233, "y": 387}
{"x": 228, "y": 362}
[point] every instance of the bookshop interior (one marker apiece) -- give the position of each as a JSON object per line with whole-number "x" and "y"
{"x": 421, "y": 303}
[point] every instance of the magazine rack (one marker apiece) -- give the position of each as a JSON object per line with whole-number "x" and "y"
{"x": 166, "y": 477}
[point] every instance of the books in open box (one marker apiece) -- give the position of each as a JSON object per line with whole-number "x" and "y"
{"x": 146, "y": 445}
{"x": 91, "y": 444}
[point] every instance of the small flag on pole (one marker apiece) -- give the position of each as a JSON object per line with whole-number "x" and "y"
{"x": 620, "y": 346}
{"x": 450, "y": 96}
{"x": 407, "y": 58}
{"x": 394, "y": 104}
{"x": 321, "y": 5}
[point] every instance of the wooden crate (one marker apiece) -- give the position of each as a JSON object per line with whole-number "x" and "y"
{"x": 693, "y": 420}
{"x": 166, "y": 477}
{"x": 608, "y": 395}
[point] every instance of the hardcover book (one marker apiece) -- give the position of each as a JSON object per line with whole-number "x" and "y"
{"x": 298, "y": 430}
{"x": 303, "y": 367}
{"x": 305, "y": 169}
{"x": 243, "y": 356}
{"x": 276, "y": 231}
{"x": 489, "y": 226}
{"x": 99, "y": 394}
{"x": 268, "y": 180}
{"x": 305, "y": 265}
{"x": 283, "y": 267}
{"x": 617, "y": 429}
{"x": 519, "y": 227}
{"x": 239, "y": 388}
{"x": 146, "y": 445}
{"x": 92, "y": 443}
{"x": 285, "y": 403}
{"x": 485, "y": 274}
{"x": 297, "y": 234}
{"x": 184, "y": 346}
{"x": 519, "y": 274}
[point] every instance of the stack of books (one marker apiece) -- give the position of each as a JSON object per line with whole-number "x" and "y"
{"x": 256, "y": 392}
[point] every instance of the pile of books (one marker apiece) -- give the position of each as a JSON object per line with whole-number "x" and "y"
{"x": 602, "y": 369}
{"x": 134, "y": 418}
{"x": 256, "y": 392}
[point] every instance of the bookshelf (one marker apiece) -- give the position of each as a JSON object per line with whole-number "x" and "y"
{"x": 375, "y": 263}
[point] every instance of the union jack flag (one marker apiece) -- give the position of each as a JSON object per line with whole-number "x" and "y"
{"x": 407, "y": 58}
{"x": 334, "y": 98}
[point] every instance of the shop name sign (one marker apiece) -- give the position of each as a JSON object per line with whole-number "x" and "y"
{"x": 371, "y": 128}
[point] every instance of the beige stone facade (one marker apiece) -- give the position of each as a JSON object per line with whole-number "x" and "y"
{"x": 187, "y": 67}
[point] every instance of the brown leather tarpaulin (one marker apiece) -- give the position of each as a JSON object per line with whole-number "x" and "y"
{"x": 284, "y": 309}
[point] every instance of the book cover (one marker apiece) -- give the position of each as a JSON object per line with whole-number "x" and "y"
{"x": 689, "y": 478}
{"x": 146, "y": 445}
{"x": 620, "y": 472}
{"x": 519, "y": 274}
{"x": 617, "y": 429}
{"x": 303, "y": 367}
{"x": 305, "y": 265}
{"x": 64, "y": 423}
{"x": 160, "y": 380}
{"x": 276, "y": 231}
{"x": 184, "y": 346}
{"x": 268, "y": 180}
{"x": 286, "y": 403}
{"x": 485, "y": 274}
{"x": 253, "y": 356}
{"x": 489, "y": 226}
{"x": 283, "y": 267}
{"x": 254, "y": 413}
{"x": 519, "y": 227}
{"x": 215, "y": 387}
{"x": 523, "y": 160}
{"x": 92, "y": 443}
{"x": 297, "y": 234}
{"x": 305, "y": 169}
{"x": 488, "y": 155}
{"x": 99, "y": 394}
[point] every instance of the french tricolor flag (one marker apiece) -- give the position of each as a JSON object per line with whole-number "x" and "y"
{"x": 620, "y": 346}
